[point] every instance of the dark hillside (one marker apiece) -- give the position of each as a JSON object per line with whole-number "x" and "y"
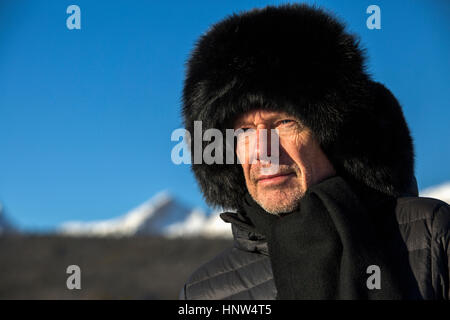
{"x": 34, "y": 267}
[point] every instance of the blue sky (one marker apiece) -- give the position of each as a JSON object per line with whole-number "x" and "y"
{"x": 86, "y": 115}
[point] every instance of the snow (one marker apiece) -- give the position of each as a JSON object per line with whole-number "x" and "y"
{"x": 160, "y": 215}
{"x": 441, "y": 192}
{"x": 198, "y": 224}
{"x": 128, "y": 224}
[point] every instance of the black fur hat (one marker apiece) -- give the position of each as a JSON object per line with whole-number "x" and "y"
{"x": 298, "y": 59}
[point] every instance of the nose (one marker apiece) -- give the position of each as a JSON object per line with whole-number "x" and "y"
{"x": 263, "y": 146}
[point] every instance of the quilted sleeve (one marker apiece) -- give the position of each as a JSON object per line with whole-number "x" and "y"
{"x": 441, "y": 251}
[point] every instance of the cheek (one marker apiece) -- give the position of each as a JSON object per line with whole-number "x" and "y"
{"x": 294, "y": 150}
{"x": 246, "y": 172}
{"x": 312, "y": 162}
{"x": 245, "y": 151}
{"x": 241, "y": 154}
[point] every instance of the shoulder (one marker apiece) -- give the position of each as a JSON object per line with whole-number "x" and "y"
{"x": 227, "y": 274}
{"x": 422, "y": 221}
{"x": 413, "y": 209}
{"x": 424, "y": 224}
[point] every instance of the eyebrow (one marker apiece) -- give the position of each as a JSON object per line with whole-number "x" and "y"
{"x": 269, "y": 118}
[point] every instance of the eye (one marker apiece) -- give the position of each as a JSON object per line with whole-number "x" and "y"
{"x": 286, "y": 121}
{"x": 244, "y": 129}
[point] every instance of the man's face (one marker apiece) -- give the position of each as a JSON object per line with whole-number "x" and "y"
{"x": 278, "y": 188}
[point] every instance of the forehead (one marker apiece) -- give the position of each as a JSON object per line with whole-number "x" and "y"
{"x": 261, "y": 115}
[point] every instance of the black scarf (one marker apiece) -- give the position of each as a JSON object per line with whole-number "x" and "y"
{"x": 323, "y": 249}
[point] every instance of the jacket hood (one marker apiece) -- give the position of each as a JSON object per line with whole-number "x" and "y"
{"x": 300, "y": 60}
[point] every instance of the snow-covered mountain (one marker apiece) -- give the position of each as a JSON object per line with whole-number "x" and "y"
{"x": 161, "y": 215}
{"x": 164, "y": 215}
{"x": 441, "y": 192}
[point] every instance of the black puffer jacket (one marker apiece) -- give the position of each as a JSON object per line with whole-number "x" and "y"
{"x": 244, "y": 271}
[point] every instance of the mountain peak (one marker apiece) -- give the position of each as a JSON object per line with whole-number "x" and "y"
{"x": 162, "y": 215}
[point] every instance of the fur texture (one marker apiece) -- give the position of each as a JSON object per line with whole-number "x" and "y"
{"x": 298, "y": 59}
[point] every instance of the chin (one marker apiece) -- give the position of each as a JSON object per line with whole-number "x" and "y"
{"x": 279, "y": 201}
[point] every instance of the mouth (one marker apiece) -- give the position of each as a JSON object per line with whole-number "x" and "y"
{"x": 274, "y": 179}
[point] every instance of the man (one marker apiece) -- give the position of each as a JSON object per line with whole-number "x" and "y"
{"x": 338, "y": 216}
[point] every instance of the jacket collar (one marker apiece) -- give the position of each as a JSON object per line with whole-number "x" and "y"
{"x": 244, "y": 233}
